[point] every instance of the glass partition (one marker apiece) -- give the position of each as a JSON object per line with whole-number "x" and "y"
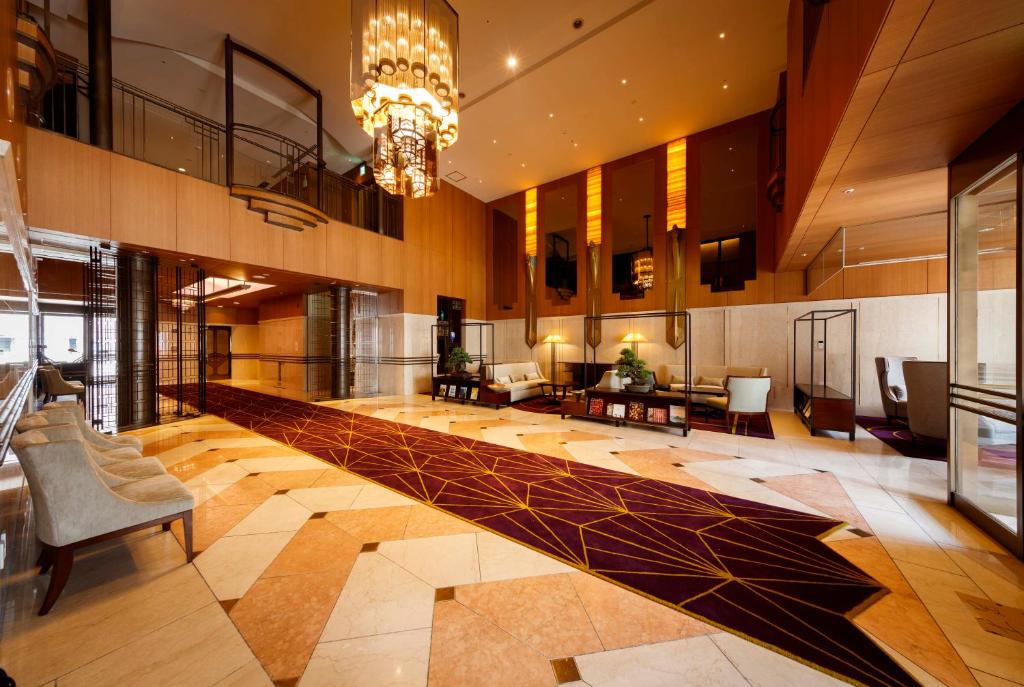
{"x": 985, "y": 354}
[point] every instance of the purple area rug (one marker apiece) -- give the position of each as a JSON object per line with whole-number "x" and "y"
{"x": 756, "y": 570}
{"x": 896, "y": 434}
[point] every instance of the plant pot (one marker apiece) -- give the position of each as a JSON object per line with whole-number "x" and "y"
{"x": 461, "y": 374}
{"x": 639, "y": 388}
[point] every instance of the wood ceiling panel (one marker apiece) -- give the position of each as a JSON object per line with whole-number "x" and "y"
{"x": 918, "y": 236}
{"x": 971, "y": 76}
{"x": 944, "y": 25}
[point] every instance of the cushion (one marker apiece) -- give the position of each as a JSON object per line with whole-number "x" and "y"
{"x": 530, "y": 376}
{"x": 505, "y": 379}
{"x": 711, "y": 381}
{"x": 677, "y": 379}
{"x": 30, "y": 422}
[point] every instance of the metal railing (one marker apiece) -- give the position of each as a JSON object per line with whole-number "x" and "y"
{"x": 155, "y": 130}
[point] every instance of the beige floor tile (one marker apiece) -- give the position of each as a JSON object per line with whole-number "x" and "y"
{"x": 392, "y": 660}
{"x": 198, "y": 649}
{"x": 374, "y": 524}
{"x": 764, "y": 668}
{"x": 503, "y": 559}
{"x": 233, "y": 564}
{"x": 695, "y": 662}
{"x": 249, "y": 675}
{"x": 439, "y": 561}
{"x": 281, "y": 463}
{"x": 374, "y": 496}
{"x": 543, "y": 612}
{"x": 379, "y": 598}
{"x": 467, "y": 650}
{"x": 277, "y": 514}
{"x": 426, "y": 521}
{"x": 318, "y": 546}
{"x": 623, "y": 618}
{"x": 325, "y": 499}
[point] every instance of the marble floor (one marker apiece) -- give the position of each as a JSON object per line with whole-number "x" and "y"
{"x": 307, "y": 575}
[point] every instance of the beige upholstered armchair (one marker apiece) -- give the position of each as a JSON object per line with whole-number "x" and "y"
{"x": 55, "y": 385}
{"x": 744, "y": 396}
{"x": 76, "y": 503}
{"x": 927, "y": 399}
{"x": 892, "y": 386}
{"x": 91, "y": 435}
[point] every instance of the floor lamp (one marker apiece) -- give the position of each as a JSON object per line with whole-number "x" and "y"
{"x": 634, "y": 339}
{"x": 554, "y": 340}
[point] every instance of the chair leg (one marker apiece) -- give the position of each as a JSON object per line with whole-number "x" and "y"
{"x": 45, "y": 561}
{"x": 64, "y": 558}
{"x": 186, "y": 525}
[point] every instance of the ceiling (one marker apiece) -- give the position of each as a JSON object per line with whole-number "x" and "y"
{"x": 939, "y": 74}
{"x": 564, "y": 108}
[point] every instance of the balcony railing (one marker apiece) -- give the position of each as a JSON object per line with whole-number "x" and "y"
{"x": 155, "y": 130}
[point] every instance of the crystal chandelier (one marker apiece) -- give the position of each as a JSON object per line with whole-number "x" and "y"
{"x": 643, "y": 261}
{"x": 405, "y": 88}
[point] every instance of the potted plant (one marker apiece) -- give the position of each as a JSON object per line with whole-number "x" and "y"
{"x": 457, "y": 361}
{"x": 635, "y": 369}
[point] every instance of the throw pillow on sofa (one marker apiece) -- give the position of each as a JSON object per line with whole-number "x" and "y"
{"x": 712, "y": 381}
{"x": 504, "y": 379}
{"x": 530, "y": 376}
{"x": 676, "y": 379}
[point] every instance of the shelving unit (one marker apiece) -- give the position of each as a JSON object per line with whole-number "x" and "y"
{"x": 819, "y": 404}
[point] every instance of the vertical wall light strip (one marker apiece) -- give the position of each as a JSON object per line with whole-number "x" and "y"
{"x": 676, "y": 215}
{"x": 594, "y": 205}
{"x": 531, "y": 221}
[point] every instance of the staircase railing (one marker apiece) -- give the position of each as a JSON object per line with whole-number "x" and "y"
{"x": 160, "y": 132}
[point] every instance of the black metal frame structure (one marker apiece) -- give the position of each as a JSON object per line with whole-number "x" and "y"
{"x": 825, "y": 316}
{"x": 589, "y": 323}
{"x": 181, "y": 341}
{"x": 101, "y": 337}
{"x": 480, "y": 327}
{"x": 137, "y": 329}
{"x": 230, "y": 48}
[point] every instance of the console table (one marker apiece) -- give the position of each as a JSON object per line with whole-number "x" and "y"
{"x": 667, "y": 410}
{"x": 469, "y": 389}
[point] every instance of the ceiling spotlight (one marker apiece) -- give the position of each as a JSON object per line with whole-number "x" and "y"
{"x": 523, "y": 164}
{"x": 849, "y": 190}
{"x": 623, "y": 82}
{"x": 725, "y": 85}
{"x": 985, "y": 230}
{"x": 551, "y": 115}
{"x": 641, "y": 119}
{"x": 234, "y": 303}
{"x": 803, "y": 255}
{"x": 494, "y": 140}
{"x": 258, "y": 276}
{"x": 512, "y": 62}
{"x": 575, "y": 144}
{"x": 182, "y": 169}
{"x": 722, "y": 35}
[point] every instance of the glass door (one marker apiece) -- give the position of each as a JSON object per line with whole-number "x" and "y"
{"x": 985, "y": 353}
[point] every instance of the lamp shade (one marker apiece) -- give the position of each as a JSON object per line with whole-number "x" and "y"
{"x": 553, "y": 338}
{"x": 633, "y": 337}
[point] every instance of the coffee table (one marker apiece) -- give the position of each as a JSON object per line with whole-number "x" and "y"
{"x": 555, "y": 388}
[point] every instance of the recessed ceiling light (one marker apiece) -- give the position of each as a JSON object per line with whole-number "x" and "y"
{"x": 220, "y": 306}
{"x": 234, "y": 303}
{"x": 985, "y": 230}
{"x": 182, "y": 169}
{"x": 480, "y": 181}
{"x": 641, "y": 119}
{"x": 848, "y": 191}
{"x": 803, "y": 255}
{"x": 725, "y": 85}
{"x": 722, "y": 35}
{"x": 623, "y": 82}
{"x": 551, "y": 115}
{"x": 512, "y": 62}
{"x": 732, "y": 170}
{"x": 523, "y": 164}
{"x": 258, "y": 276}
{"x": 861, "y": 248}
{"x": 575, "y": 144}
{"x": 494, "y": 141}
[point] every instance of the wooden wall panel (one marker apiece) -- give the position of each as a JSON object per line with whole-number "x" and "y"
{"x": 285, "y": 306}
{"x": 894, "y": 279}
{"x": 203, "y": 219}
{"x": 305, "y": 251}
{"x": 253, "y": 241}
{"x": 143, "y": 203}
{"x": 938, "y": 275}
{"x": 68, "y": 185}
{"x": 232, "y": 316}
{"x": 392, "y": 263}
{"x": 60, "y": 279}
{"x": 341, "y": 256}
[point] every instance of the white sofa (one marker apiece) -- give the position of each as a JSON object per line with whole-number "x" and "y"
{"x": 521, "y": 380}
{"x": 708, "y": 379}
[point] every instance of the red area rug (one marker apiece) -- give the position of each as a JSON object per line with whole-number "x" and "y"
{"x": 752, "y": 569}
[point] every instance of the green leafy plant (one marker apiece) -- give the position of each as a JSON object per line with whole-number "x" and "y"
{"x": 458, "y": 359}
{"x": 629, "y": 365}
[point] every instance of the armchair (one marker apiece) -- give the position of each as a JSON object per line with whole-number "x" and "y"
{"x": 74, "y": 507}
{"x": 91, "y": 435}
{"x": 892, "y": 386}
{"x": 744, "y": 396}
{"x": 927, "y": 399}
{"x": 55, "y": 385}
